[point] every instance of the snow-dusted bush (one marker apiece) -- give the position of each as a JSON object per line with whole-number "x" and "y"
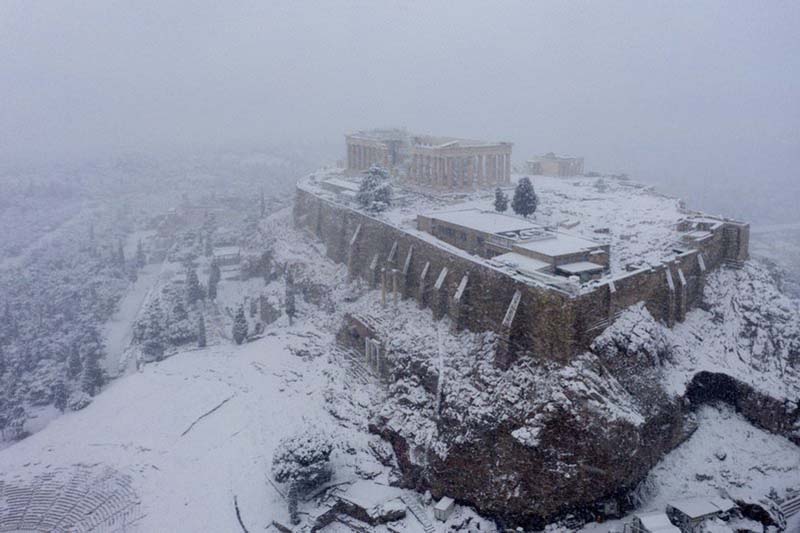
{"x": 303, "y": 461}
{"x": 375, "y": 191}
{"x": 78, "y": 400}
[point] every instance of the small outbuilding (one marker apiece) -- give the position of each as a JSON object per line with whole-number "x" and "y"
{"x": 444, "y": 508}
{"x": 690, "y": 514}
{"x": 656, "y": 522}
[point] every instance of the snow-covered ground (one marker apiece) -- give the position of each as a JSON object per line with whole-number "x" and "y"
{"x": 726, "y": 456}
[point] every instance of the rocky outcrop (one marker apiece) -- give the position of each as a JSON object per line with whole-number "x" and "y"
{"x": 779, "y": 416}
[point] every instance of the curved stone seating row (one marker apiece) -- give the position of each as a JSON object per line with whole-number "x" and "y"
{"x": 79, "y": 499}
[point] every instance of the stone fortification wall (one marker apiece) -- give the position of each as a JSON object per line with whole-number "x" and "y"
{"x": 474, "y": 295}
{"x": 542, "y": 320}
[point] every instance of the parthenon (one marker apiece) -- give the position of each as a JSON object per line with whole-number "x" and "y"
{"x": 441, "y": 163}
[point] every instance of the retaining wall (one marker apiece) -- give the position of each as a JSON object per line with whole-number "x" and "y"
{"x": 547, "y": 322}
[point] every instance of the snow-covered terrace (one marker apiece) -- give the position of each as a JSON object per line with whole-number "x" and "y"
{"x": 639, "y": 224}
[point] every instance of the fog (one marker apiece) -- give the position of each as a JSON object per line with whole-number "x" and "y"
{"x": 700, "y": 98}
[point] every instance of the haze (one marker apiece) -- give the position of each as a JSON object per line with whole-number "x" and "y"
{"x": 700, "y": 98}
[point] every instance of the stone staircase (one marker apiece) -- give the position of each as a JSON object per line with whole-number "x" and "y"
{"x": 791, "y": 506}
{"x": 352, "y": 362}
{"x": 419, "y": 513}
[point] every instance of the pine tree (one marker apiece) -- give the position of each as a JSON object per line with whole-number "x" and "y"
{"x": 240, "y": 326}
{"x": 141, "y": 260}
{"x": 120, "y": 255}
{"x": 209, "y": 249}
{"x": 153, "y": 331}
{"x": 213, "y": 280}
{"x": 500, "y": 200}
{"x": 60, "y": 395}
{"x": 2, "y": 361}
{"x": 194, "y": 291}
{"x": 201, "y": 332}
{"x": 74, "y": 364}
{"x": 291, "y": 307}
{"x": 525, "y": 200}
{"x": 375, "y": 190}
{"x": 93, "y": 376}
{"x": 262, "y": 204}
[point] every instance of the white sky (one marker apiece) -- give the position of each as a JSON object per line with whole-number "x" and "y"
{"x": 669, "y": 91}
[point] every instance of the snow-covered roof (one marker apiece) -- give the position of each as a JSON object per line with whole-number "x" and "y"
{"x": 700, "y": 507}
{"x": 657, "y": 522}
{"x": 560, "y": 244}
{"x": 485, "y": 221}
{"x": 444, "y": 504}
{"x": 341, "y": 184}
{"x": 521, "y": 262}
{"x": 226, "y": 250}
{"x": 580, "y": 267}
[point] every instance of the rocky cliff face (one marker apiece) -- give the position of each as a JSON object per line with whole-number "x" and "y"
{"x": 540, "y": 439}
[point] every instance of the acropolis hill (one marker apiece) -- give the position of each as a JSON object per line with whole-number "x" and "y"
{"x": 547, "y": 285}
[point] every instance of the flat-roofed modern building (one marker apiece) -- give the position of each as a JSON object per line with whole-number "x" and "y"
{"x": 556, "y": 165}
{"x": 518, "y": 243}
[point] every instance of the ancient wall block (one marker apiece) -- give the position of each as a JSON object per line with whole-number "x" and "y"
{"x": 405, "y": 274}
{"x": 423, "y": 289}
{"x": 680, "y": 313}
{"x": 439, "y": 300}
{"x": 460, "y": 307}
{"x": 670, "y": 303}
{"x": 374, "y": 272}
{"x": 352, "y": 251}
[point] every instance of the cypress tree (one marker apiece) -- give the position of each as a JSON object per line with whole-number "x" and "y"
{"x": 193, "y": 290}
{"x": 141, "y": 260}
{"x": 213, "y": 279}
{"x": 500, "y": 200}
{"x": 240, "y": 326}
{"x": 60, "y": 395}
{"x": 201, "y": 332}
{"x": 525, "y": 200}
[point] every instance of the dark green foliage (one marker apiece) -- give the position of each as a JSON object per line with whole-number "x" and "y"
{"x": 291, "y": 307}
{"x": 209, "y": 248}
{"x": 60, "y": 395}
{"x": 213, "y": 280}
{"x": 194, "y": 291}
{"x": 375, "y": 191}
{"x": 120, "y": 258}
{"x": 201, "y": 332}
{"x": 74, "y": 364}
{"x": 525, "y": 200}
{"x": 141, "y": 260}
{"x": 93, "y": 376}
{"x": 500, "y": 200}
{"x": 240, "y": 326}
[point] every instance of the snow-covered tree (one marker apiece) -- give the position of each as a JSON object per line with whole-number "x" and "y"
{"x": 209, "y": 247}
{"x": 375, "y": 191}
{"x": 262, "y": 205}
{"x": 525, "y": 200}
{"x": 141, "y": 260}
{"x": 120, "y": 257}
{"x": 93, "y": 376}
{"x": 303, "y": 461}
{"x": 201, "y": 332}
{"x": 213, "y": 280}
{"x": 291, "y": 305}
{"x": 500, "y": 200}
{"x": 74, "y": 363}
{"x": 194, "y": 291}
{"x": 240, "y": 326}
{"x": 60, "y": 395}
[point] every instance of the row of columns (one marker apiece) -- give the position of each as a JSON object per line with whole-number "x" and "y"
{"x": 361, "y": 157}
{"x": 461, "y": 172}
